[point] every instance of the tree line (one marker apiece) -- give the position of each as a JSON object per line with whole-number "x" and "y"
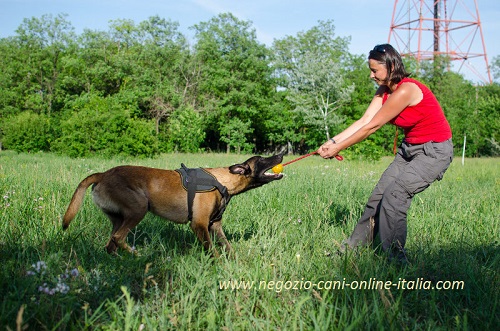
{"x": 144, "y": 89}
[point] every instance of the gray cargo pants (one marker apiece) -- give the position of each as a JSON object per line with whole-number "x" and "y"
{"x": 414, "y": 168}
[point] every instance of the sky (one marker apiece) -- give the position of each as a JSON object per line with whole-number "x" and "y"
{"x": 366, "y": 22}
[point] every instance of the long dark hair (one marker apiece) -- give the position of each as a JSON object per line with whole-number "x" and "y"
{"x": 386, "y": 54}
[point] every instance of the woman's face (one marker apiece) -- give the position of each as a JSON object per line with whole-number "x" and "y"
{"x": 378, "y": 72}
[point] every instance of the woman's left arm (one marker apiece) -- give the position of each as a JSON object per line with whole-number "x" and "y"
{"x": 407, "y": 94}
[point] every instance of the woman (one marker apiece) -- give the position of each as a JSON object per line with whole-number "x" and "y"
{"x": 423, "y": 156}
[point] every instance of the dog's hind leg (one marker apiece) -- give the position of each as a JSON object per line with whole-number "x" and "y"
{"x": 117, "y": 221}
{"x": 221, "y": 237}
{"x": 122, "y": 224}
{"x": 121, "y": 235}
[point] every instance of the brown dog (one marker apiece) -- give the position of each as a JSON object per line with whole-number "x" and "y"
{"x": 126, "y": 193}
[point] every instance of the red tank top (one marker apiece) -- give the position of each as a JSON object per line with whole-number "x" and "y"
{"x": 423, "y": 122}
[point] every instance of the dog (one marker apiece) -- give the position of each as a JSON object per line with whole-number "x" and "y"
{"x": 126, "y": 193}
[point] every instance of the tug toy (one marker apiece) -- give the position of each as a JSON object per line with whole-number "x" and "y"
{"x": 277, "y": 169}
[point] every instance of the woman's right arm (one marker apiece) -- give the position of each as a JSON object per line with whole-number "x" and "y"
{"x": 370, "y": 112}
{"x": 372, "y": 109}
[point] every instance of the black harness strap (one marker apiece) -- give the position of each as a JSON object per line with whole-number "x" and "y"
{"x": 198, "y": 180}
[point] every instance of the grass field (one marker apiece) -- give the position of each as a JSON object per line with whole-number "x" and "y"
{"x": 286, "y": 274}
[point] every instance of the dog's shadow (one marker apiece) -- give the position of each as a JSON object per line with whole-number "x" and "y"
{"x": 245, "y": 235}
{"x": 155, "y": 231}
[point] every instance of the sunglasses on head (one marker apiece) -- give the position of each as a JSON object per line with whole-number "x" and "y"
{"x": 379, "y": 48}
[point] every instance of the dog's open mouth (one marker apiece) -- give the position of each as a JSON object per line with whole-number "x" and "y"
{"x": 267, "y": 166}
{"x": 269, "y": 173}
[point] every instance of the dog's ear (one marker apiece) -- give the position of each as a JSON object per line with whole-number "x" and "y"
{"x": 240, "y": 169}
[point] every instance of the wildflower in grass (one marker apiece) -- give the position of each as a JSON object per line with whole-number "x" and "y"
{"x": 60, "y": 285}
{"x": 46, "y": 289}
{"x": 95, "y": 279}
{"x": 74, "y": 272}
{"x": 6, "y": 198}
{"x": 39, "y": 268}
{"x": 38, "y": 200}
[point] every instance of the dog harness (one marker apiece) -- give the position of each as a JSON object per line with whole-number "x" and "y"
{"x": 198, "y": 180}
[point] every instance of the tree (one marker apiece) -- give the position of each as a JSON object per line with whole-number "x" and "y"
{"x": 100, "y": 71}
{"x": 235, "y": 78}
{"x": 138, "y": 89}
{"x": 472, "y": 111}
{"x": 157, "y": 80}
{"x": 234, "y": 135}
{"x": 495, "y": 68}
{"x": 318, "y": 89}
{"x": 185, "y": 131}
{"x": 12, "y": 79}
{"x": 44, "y": 42}
{"x": 309, "y": 67}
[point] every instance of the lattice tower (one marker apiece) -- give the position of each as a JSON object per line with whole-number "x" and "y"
{"x": 424, "y": 29}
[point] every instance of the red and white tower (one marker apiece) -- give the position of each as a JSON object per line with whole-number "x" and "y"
{"x": 423, "y": 29}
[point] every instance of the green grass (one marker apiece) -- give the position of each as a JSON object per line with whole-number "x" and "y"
{"x": 287, "y": 231}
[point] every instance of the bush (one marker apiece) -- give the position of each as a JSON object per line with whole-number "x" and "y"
{"x": 27, "y": 132}
{"x": 185, "y": 132}
{"x": 103, "y": 127}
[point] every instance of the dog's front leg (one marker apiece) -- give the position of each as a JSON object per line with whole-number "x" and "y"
{"x": 201, "y": 231}
{"x": 221, "y": 236}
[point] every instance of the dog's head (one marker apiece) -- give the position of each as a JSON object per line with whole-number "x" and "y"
{"x": 254, "y": 171}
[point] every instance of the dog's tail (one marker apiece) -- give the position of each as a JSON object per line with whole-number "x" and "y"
{"x": 77, "y": 199}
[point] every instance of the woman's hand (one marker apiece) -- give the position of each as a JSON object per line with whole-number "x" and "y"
{"x": 328, "y": 150}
